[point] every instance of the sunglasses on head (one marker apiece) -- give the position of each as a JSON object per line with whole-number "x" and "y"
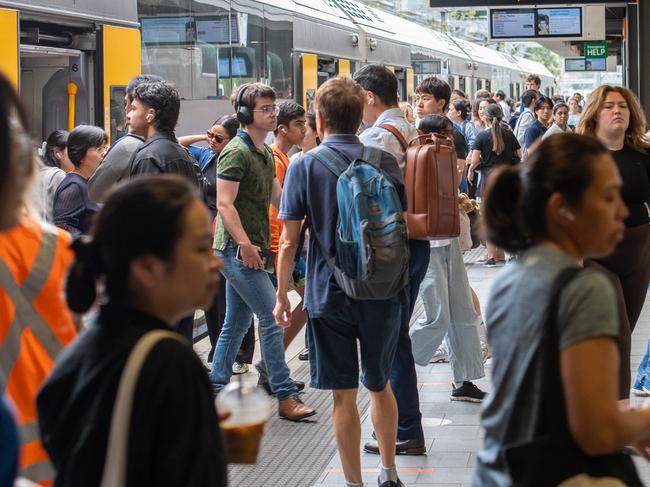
{"x": 218, "y": 138}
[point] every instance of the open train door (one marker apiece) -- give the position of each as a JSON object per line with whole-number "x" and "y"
{"x": 9, "y": 40}
{"x": 120, "y": 61}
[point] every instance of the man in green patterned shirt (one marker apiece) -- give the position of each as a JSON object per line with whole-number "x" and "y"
{"x": 246, "y": 185}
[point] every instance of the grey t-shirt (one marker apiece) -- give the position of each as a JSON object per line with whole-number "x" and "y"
{"x": 515, "y": 318}
{"x": 114, "y": 167}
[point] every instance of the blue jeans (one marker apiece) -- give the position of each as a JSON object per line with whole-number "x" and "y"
{"x": 448, "y": 306}
{"x": 249, "y": 291}
{"x": 643, "y": 373}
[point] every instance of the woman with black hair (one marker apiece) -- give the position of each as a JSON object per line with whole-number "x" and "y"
{"x": 151, "y": 250}
{"x": 492, "y": 148}
{"x": 460, "y": 112}
{"x": 553, "y": 414}
{"x": 72, "y": 208}
{"x": 56, "y": 165}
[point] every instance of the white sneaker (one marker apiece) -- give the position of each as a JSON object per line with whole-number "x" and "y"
{"x": 643, "y": 392}
{"x": 238, "y": 368}
{"x": 441, "y": 356}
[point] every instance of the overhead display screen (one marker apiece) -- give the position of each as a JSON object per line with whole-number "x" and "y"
{"x": 580, "y": 64}
{"x": 534, "y": 23}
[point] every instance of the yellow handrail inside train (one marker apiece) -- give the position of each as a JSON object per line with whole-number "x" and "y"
{"x": 72, "y": 98}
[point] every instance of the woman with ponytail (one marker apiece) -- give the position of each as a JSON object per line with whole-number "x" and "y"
{"x": 493, "y": 148}
{"x": 553, "y": 414}
{"x": 149, "y": 262}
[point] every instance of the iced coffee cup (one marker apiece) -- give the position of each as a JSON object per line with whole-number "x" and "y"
{"x": 249, "y": 409}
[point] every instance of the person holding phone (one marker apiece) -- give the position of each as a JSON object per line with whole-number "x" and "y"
{"x": 246, "y": 186}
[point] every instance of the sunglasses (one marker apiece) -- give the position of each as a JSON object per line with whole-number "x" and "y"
{"x": 218, "y": 138}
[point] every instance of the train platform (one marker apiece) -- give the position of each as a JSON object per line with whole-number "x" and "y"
{"x": 305, "y": 455}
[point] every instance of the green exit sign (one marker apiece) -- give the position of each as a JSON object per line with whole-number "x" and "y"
{"x": 596, "y": 50}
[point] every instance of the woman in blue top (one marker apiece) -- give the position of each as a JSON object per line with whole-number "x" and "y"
{"x": 220, "y": 133}
{"x": 72, "y": 208}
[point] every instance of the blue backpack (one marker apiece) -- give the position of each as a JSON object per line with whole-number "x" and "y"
{"x": 371, "y": 260}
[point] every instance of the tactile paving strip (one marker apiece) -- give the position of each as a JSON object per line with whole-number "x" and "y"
{"x": 295, "y": 454}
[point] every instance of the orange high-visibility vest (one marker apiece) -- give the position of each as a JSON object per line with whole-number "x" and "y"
{"x": 35, "y": 325}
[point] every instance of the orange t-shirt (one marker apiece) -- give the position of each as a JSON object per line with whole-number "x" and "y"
{"x": 281, "y": 166}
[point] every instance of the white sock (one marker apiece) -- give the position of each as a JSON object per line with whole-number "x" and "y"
{"x": 458, "y": 384}
{"x": 388, "y": 474}
{"x": 353, "y": 484}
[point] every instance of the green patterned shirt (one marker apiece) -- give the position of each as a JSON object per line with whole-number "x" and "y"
{"x": 241, "y": 161}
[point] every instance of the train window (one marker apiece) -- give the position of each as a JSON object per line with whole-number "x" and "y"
{"x": 278, "y": 32}
{"x": 118, "y": 126}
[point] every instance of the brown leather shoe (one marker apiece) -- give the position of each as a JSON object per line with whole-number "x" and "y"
{"x": 294, "y": 409}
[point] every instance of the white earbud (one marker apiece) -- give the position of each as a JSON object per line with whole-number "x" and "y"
{"x": 566, "y": 213}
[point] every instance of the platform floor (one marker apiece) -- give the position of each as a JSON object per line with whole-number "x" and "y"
{"x": 305, "y": 454}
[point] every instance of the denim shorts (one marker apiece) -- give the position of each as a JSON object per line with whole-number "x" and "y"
{"x": 333, "y": 337}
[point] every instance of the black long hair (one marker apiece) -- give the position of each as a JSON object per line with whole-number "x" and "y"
{"x": 141, "y": 217}
{"x": 515, "y": 200}
{"x": 56, "y": 140}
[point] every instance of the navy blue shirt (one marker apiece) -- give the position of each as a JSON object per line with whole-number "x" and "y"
{"x": 534, "y": 132}
{"x": 310, "y": 190}
{"x": 72, "y": 208}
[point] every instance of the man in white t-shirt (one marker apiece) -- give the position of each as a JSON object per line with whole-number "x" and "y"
{"x": 445, "y": 290}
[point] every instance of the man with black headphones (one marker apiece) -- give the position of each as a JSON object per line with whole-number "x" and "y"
{"x": 246, "y": 186}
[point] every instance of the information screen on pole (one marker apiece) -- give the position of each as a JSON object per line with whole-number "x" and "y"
{"x": 531, "y": 23}
{"x": 580, "y": 64}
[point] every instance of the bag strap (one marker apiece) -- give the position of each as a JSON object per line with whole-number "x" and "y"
{"x": 332, "y": 159}
{"x": 118, "y": 440}
{"x": 398, "y": 135}
{"x": 550, "y": 345}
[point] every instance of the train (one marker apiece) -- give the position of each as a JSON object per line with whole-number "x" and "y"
{"x": 71, "y": 59}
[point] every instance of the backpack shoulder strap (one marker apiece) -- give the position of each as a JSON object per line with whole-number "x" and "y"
{"x": 372, "y": 155}
{"x": 331, "y": 159}
{"x": 398, "y": 135}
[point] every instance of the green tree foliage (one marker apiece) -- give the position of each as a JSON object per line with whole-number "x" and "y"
{"x": 542, "y": 55}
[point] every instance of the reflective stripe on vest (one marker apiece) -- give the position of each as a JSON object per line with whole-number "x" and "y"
{"x": 39, "y": 472}
{"x": 25, "y": 315}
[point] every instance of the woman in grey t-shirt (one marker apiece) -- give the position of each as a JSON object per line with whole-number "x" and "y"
{"x": 562, "y": 206}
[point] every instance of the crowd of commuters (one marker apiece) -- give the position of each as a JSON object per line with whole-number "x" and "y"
{"x": 147, "y": 226}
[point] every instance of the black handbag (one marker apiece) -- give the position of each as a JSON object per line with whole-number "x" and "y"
{"x": 553, "y": 456}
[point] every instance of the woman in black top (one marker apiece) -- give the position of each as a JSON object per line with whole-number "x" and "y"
{"x": 492, "y": 148}
{"x": 151, "y": 250}
{"x": 72, "y": 208}
{"x": 614, "y": 116}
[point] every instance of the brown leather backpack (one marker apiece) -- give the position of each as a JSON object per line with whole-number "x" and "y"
{"x": 431, "y": 182}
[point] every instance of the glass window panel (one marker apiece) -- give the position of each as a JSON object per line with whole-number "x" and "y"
{"x": 247, "y": 60}
{"x": 278, "y": 31}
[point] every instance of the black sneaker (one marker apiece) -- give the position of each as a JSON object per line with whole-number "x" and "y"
{"x": 467, "y": 392}
{"x": 390, "y": 483}
{"x": 490, "y": 263}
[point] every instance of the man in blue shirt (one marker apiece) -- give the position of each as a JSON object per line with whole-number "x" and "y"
{"x": 335, "y": 322}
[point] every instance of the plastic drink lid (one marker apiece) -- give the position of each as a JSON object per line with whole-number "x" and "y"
{"x": 246, "y": 404}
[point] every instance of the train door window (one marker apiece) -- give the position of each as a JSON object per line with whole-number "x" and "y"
{"x": 462, "y": 83}
{"x": 278, "y": 35}
{"x": 400, "y": 74}
{"x": 118, "y": 125}
{"x": 488, "y": 85}
{"x": 326, "y": 69}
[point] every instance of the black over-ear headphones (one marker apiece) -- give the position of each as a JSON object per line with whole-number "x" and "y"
{"x": 244, "y": 113}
